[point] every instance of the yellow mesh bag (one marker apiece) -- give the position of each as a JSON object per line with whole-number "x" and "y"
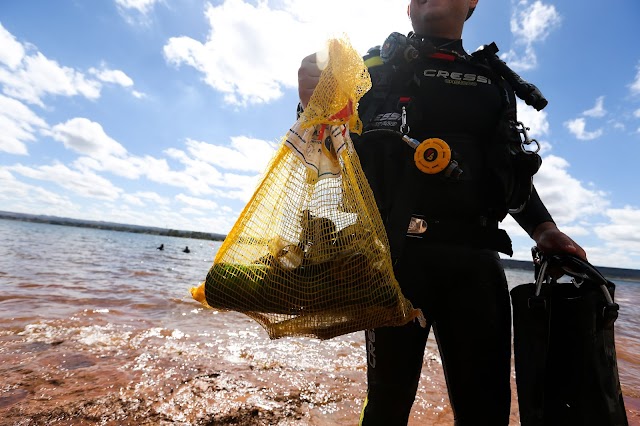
{"x": 309, "y": 255}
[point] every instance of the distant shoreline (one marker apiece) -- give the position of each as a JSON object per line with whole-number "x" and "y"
{"x": 111, "y": 226}
{"x": 609, "y": 272}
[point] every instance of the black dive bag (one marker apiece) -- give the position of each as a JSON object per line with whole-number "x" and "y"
{"x": 564, "y": 348}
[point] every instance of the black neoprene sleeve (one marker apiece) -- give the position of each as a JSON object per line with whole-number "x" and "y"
{"x": 533, "y": 214}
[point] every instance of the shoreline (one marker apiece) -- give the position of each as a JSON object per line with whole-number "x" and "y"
{"x": 610, "y": 273}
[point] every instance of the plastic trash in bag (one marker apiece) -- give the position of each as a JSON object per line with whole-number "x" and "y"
{"x": 308, "y": 255}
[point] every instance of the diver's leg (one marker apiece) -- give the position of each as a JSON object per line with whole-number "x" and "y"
{"x": 474, "y": 337}
{"x": 394, "y": 363}
{"x": 395, "y": 354}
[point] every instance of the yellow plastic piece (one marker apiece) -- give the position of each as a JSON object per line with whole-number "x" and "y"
{"x": 308, "y": 255}
{"x": 432, "y": 156}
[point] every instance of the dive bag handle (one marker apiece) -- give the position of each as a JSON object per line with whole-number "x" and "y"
{"x": 579, "y": 270}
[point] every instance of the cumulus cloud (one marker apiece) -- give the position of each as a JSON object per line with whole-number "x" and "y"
{"x": 142, "y": 6}
{"x": 577, "y": 127}
{"x": 249, "y": 65}
{"x": 598, "y": 109}
{"x": 197, "y": 203}
{"x": 82, "y": 183}
{"x": 86, "y": 137}
{"x": 28, "y": 75}
{"x": 531, "y": 23}
{"x": 143, "y": 198}
{"x": 18, "y": 124}
{"x": 12, "y": 52}
{"x": 202, "y": 168}
{"x": 619, "y": 238}
{"x": 37, "y": 76}
{"x": 135, "y": 12}
{"x": 536, "y": 120}
{"x": 29, "y": 198}
{"x": 112, "y": 76}
{"x": 252, "y": 68}
{"x": 207, "y": 179}
{"x": 244, "y": 153}
{"x": 567, "y": 198}
{"x": 623, "y": 230}
{"x": 534, "y": 22}
{"x": 635, "y": 86}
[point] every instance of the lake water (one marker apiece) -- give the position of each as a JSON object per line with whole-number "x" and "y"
{"x": 98, "y": 327}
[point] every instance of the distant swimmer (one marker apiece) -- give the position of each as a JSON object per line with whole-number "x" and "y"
{"x": 161, "y": 247}
{"x": 186, "y": 250}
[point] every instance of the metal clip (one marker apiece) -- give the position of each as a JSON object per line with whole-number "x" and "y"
{"x": 524, "y": 144}
{"x": 404, "y": 128}
{"x": 542, "y": 277}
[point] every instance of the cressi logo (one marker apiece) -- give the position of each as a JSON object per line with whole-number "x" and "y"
{"x": 457, "y": 77}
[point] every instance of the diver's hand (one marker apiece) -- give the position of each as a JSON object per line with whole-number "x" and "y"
{"x": 308, "y": 78}
{"x": 550, "y": 240}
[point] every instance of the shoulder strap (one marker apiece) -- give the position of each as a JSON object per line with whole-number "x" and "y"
{"x": 381, "y": 84}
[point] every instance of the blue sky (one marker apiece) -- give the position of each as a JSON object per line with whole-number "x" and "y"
{"x": 166, "y": 112}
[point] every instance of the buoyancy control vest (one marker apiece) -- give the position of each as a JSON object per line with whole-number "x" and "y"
{"x": 396, "y": 71}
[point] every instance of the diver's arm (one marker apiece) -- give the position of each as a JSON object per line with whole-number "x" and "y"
{"x": 536, "y": 220}
{"x": 533, "y": 214}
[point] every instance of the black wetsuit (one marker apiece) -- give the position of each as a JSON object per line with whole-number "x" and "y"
{"x": 453, "y": 273}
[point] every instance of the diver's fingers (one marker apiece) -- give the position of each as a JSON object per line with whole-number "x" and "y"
{"x": 308, "y": 78}
{"x": 551, "y": 240}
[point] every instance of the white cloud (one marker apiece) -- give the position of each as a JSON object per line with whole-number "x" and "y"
{"x": 635, "y": 86}
{"x": 12, "y": 52}
{"x": 39, "y": 76}
{"x": 248, "y": 69}
{"x": 537, "y": 126}
{"x": 18, "y": 124}
{"x": 207, "y": 179}
{"x": 30, "y": 77}
{"x": 199, "y": 173}
{"x": 536, "y": 121}
{"x": 623, "y": 230}
{"x": 598, "y": 110}
{"x": 127, "y": 166}
{"x": 30, "y": 198}
{"x": 112, "y": 76}
{"x": 143, "y": 198}
{"x": 636, "y": 113}
{"x": 136, "y": 12}
{"x": 142, "y": 6}
{"x": 534, "y": 22}
{"x": 197, "y": 203}
{"x": 566, "y": 197}
{"x": 244, "y": 154}
{"x": 256, "y": 66}
{"x": 530, "y": 23}
{"x": 86, "y": 137}
{"x": 578, "y": 128}
{"x": 81, "y": 183}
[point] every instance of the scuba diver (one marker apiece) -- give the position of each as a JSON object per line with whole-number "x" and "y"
{"x": 186, "y": 250}
{"x": 443, "y": 153}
